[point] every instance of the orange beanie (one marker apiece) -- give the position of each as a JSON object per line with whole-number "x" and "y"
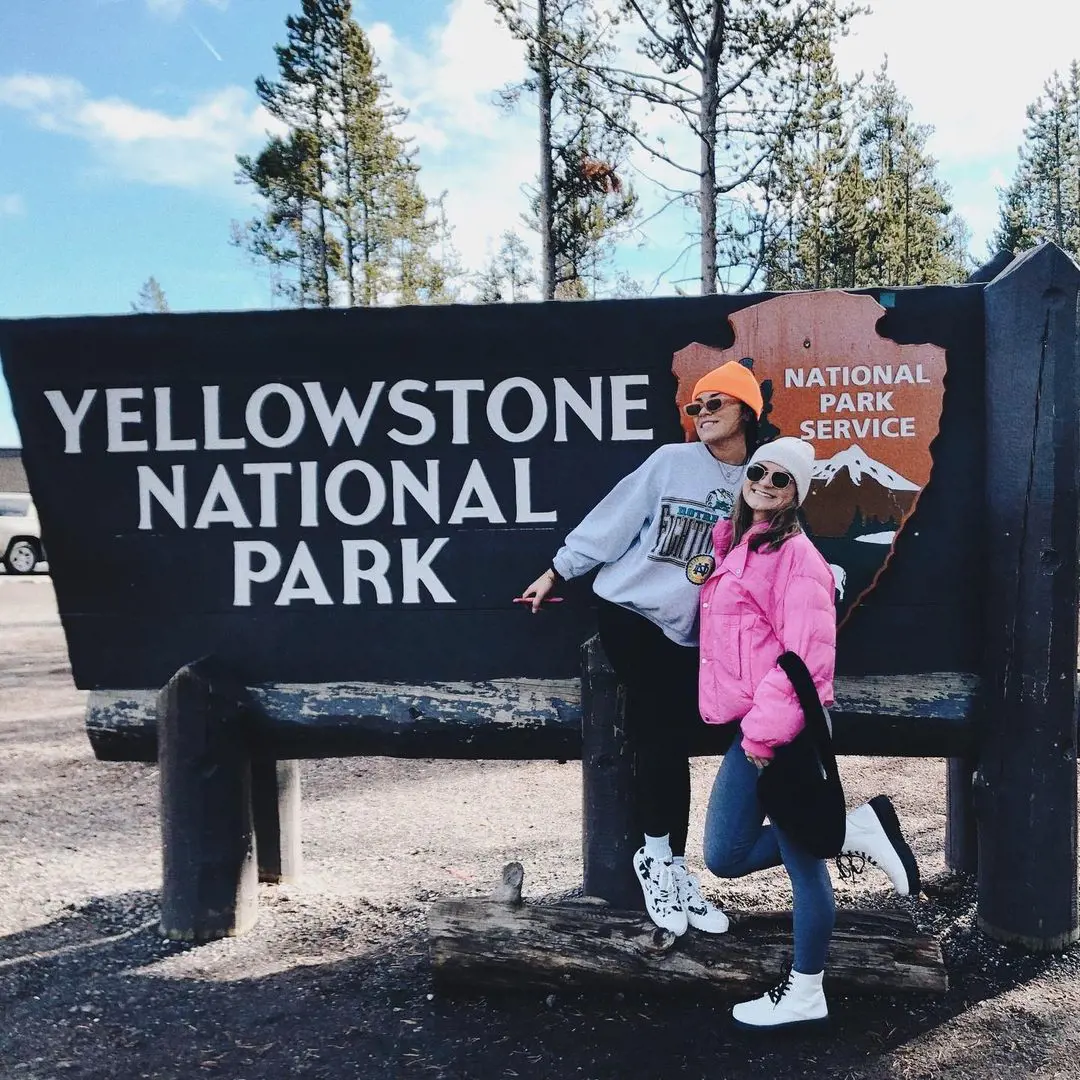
{"x": 735, "y": 380}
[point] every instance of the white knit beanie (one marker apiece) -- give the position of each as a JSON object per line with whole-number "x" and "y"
{"x": 795, "y": 456}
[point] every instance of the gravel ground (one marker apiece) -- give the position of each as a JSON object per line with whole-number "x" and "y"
{"x": 334, "y": 980}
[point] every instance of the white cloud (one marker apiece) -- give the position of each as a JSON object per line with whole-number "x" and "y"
{"x": 195, "y": 150}
{"x": 449, "y": 83}
{"x": 12, "y": 205}
{"x": 970, "y": 75}
{"x": 468, "y": 145}
{"x": 965, "y": 70}
{"x": 172, "y": 9}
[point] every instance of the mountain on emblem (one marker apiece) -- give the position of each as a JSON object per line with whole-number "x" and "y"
{"x": 857, "y": 462}
{"x": 851, "y": 494}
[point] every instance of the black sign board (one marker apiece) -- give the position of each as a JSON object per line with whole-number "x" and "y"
{"x": 325, "y": 496}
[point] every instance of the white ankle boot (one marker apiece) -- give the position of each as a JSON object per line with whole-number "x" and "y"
{"x": 873, "y": 836}
{"x": 798, "y": 1001}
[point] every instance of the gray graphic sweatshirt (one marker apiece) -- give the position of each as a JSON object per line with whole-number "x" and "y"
{"x": 650, "y": 533}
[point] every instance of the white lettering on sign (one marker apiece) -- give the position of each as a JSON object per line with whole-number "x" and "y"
{"x": 234, "y": 493}
{"x": 590, "y": 412}
{"x": 171, "y": 498}
{"x": 403, "y": 406}
{"x": 497, "y": 403}
{"x": 861, "y": 402}
{"x": 622, "y": 403}
{"x": 253, "y": 415}
{"x": 354, "y": 492}
{"x": 516, "y": 410}
{"x": 70, "y": 419}
{"x": 230, "y": 512}
{"x": 858, "y": 375}
{"x": 367, "y": 570}
{"x": 425, "y": 493}
{"x": 376, "y": 493}
{"x": 476, "y": 486}
{"x": 856, "y": 414}
{"x": 459, "y": 390}
{"x": 268, "y": 472}
{"x": 119, "y": 418}
{"x": 344, "y": 412}
{"x": 163, "y": 423}
{"x": 891, "y": 427}
{"x": 302, "y": 580}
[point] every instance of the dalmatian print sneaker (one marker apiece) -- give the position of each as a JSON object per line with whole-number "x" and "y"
{"x": 661, "y": 892}
{"x": 700, "y": 913}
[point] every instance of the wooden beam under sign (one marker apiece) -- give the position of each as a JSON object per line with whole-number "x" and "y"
{"x": 904, "y": 715}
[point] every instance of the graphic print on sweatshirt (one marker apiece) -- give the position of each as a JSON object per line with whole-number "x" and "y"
{"x": 685, "y": 526}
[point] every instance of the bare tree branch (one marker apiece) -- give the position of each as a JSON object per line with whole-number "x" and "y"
{"x": 678, "y": 258}
{"x": 664, "y": 42}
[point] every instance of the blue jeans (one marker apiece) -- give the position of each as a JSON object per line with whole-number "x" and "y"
{"x": 738, "y": 843}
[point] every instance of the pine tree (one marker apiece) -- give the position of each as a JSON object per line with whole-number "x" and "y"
{"x": 867, "y": 207}
{"x": 448, "y": 275}
{"x": 508, "y": 274}
{"x": 730, "y": 71}
{"x": 581, "y": 204}
{"x": 344, "y": 214}
{"x": 590, "y": 209}
{"x": 1043, "y": 200}
{"x": 809, "y": 177}
{"x": 911, "y": 236}
{"x": 151, "y": 299}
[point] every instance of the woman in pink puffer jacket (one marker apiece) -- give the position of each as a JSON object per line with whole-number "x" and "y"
{"x": 771, "y": 592}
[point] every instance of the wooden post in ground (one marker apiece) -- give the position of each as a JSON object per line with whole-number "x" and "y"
{"x": 608, "y": 829}
{"x": 275, "y": 798}
{"x": 209, "y": 873}
{"x": 1026, "y": 780}
{"x": 961, "y": 832}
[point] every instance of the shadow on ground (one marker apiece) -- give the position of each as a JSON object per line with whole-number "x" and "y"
{"x": 95, "y": 992}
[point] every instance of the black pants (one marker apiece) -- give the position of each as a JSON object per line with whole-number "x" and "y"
{"x": 661, "y": 681}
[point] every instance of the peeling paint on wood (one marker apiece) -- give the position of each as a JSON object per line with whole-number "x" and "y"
{"x": 517, "y": 719}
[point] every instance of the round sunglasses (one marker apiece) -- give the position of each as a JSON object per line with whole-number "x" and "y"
{"x": 756, "y": 473}
{"x": 712, "y": 405}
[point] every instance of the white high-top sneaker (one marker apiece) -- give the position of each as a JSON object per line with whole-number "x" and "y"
{"x": 797, "y": 1001}
{"x": 700, "y": 913}
{"x": 661, "y": 893}
{"x": 873, "y": 836}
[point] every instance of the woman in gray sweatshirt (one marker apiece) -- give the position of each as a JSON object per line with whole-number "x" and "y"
{"x": 651, "y": 537}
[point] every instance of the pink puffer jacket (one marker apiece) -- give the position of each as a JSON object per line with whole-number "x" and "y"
{"x": 755, "y": 606}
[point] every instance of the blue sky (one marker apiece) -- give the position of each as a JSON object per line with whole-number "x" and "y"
{"x": 120, "y": 121}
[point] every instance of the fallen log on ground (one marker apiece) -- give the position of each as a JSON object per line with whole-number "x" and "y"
{"x": 501, "y": 942}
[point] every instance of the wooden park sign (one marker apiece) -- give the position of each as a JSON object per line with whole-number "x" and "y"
{"x": 309, "y": 527}
{"x": 326, "y": 496}
{"x": 869, "y": 406}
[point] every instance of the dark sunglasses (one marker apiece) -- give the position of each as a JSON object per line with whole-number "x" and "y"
{"x": 756, "y": 473}
{"x": 714, "y": 404}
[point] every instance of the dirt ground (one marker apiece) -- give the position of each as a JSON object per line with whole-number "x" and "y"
{"x": 334, "y": 981}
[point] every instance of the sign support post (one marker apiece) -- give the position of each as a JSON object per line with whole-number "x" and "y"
{"x": 1026, "y": 782}
{"x": 209, "y": 868}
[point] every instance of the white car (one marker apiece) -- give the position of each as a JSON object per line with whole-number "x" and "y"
{"x": 20, "y": 533}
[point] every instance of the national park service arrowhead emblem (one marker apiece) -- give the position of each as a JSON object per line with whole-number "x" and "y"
{"x": 870, "y": 407}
